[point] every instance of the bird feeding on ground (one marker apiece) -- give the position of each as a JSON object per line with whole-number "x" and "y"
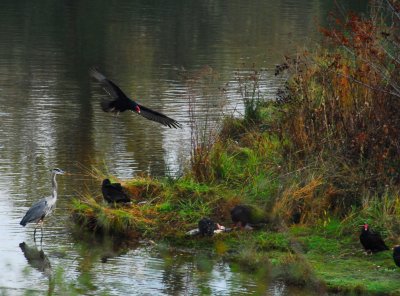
{"x": 121, "y": 102}
{"x": 371, "y": 241}
{"x": 246, "y": 216}
{"x": 42, "y": 208}
{"x": 207, "y": 227}
{"x": 113, "y": 192}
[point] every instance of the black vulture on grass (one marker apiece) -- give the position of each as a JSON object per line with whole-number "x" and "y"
{"x": 113, "y": 192}
{"x": 248, "y": 216}
{"x": 371, "y": 241}
{"x": 396, "y": 255}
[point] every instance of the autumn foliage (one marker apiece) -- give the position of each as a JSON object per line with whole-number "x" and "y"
{"x": 341, "y": 104}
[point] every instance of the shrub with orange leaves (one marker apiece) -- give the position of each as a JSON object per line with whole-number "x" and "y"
{"x": 344, "y": 100}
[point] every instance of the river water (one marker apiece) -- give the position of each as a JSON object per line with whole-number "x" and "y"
{"x": 51, "y": 117}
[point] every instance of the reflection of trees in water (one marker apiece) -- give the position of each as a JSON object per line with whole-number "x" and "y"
{"x": 204, "y": 274}
{"x": 187, "y": 275}
{"x": 94, "y": 248}
{"x": 173, "y": 278}
{"x": 48, "y": 56}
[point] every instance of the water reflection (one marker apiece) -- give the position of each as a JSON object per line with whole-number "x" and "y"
{"x": 37, "y": 258}
{"x": 96, "y": 248}
{"x": 108, "y": 265}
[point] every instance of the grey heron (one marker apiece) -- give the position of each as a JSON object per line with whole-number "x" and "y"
{"x": 42, "y": 208}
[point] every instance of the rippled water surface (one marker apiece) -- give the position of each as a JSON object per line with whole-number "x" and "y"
{"x": 50, "y": 117}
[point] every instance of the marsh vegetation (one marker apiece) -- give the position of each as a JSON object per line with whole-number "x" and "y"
{"x": 321, "y": 159}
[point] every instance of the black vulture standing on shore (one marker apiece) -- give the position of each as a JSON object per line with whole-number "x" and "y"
{"x": 121, "y": 102}
{"x": 396, "y": 255}
{"x": 372, "y": 241}
{"x": 244, "y": 215}
{"x": 113, "y": 192}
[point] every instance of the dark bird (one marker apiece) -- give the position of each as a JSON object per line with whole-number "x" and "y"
{"x": 396, "y": 255}
{"x": 207, "y": 227}
{"x": 244, "y": 215}
{"x": 42, "y": 208}
{"x": 113, "y": 192}
{"x": 371, "y": 241}
{"x": 121, "y": 102}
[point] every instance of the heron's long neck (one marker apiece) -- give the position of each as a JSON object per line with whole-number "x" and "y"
{"x": 54, "y": 184}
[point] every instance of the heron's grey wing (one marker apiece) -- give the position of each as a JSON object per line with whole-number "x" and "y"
{"x": 158, "y": 117}
{"x": 110, "y": 87}
{"x": 36, "y": 212}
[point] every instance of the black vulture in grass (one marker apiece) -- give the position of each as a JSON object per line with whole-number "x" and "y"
{"x": 113, "y": 192}
{"x": 372, "y": 241}
{"x": 247, "y": 216}
{"x": 396, "y": 255}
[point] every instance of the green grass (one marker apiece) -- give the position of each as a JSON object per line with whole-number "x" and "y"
{"x": 171, "y": 208}
{"x": 339, "y": 261}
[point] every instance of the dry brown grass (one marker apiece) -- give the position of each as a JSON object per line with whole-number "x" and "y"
{"x": 306, "y": 200}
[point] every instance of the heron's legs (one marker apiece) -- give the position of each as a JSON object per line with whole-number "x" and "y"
{"x": 34, "y": 234}
{"x": 41, "y": 231}
{"x": 115, "y": 117}
{"x": 40, "y": 223}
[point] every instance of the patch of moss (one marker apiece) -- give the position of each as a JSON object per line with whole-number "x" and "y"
{"x": 273, "y": 241}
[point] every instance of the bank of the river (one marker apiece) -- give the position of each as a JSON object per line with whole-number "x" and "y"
{"x": 319, "y": 161}
{"x": 324, "y": 256}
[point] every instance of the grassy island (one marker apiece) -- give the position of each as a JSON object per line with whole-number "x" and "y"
{"x": 320, "y": 160}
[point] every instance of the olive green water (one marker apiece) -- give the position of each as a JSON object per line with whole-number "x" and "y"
{"x": 50, "y": 117}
